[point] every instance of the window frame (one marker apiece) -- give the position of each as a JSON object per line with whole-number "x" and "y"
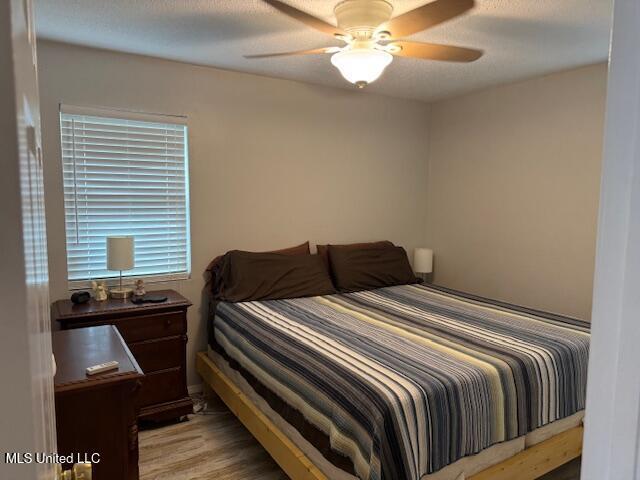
{"x": 124, "y": 114}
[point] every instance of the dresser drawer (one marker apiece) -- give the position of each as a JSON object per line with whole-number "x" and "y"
{"x": 162, "y": 386}
{"x": 157, "y": 325}
{"x": 159, "y": 354}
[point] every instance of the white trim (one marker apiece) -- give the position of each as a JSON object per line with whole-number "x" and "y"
{"x": 197, "y": 388}
{"x": 129, "y": 281}
{"x": 25, "y": 339}
{"x": 613, "y": 394}
{"x": 123, "y": 113}
{"x": 187, "y": 198}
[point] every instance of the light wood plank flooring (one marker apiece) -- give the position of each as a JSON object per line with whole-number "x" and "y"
{"x": 212, "y": 446}
{"x": 217, "y": 446}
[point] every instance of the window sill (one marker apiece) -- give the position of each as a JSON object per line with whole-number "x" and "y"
{"x": 129, "y": 281}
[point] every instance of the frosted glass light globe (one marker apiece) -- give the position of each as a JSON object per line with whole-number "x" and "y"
{"x": 361, "y": 66}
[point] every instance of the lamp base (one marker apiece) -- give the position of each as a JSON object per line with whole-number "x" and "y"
{"x": 121, "y": 293}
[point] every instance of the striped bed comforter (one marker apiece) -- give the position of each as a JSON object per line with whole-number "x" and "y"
{"x": 402, "y": 381}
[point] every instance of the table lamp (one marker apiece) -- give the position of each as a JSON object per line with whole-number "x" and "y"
{"x": 423, "y": 261}
{"x": 120, "y": 257}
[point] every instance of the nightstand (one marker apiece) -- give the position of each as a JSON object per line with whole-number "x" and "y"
{"x": 156, "y": 334}
{"x": 97, "y": 414}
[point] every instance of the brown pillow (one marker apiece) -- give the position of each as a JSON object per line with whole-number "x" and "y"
{"x": 366, "y": 269}
{"x": 213, "y": 269}
{"x": 246, "y": 276}
{"x": 323, "y": 250}
{"x": 302, "y": 249}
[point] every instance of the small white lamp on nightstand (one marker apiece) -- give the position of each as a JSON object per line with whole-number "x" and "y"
{"x": 423, "y": 261}
{"x": 120, "y": 257}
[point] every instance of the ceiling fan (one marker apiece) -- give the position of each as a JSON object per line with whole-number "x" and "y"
{"x": 373, "y": 38}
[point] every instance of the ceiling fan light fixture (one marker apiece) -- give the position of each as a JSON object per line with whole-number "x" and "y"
{"x": 361, "y": 66}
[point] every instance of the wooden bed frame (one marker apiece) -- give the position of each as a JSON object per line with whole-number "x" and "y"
{"x": 526, "y": 465}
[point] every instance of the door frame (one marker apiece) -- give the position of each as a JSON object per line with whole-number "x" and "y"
{"x": 612, "y": 417}
{"x": 27, "y": 422}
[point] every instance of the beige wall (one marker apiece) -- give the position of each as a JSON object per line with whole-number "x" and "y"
{"x": 502, "y": 184}
{"x": 513, "y": 187}
{"x": 272, "y": 162}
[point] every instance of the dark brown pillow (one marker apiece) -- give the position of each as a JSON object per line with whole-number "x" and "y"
{"x": 302, "y": 249}
{"x": 212, "y": 272}
{"x": 246, "y": 276}
{"x": 366, "y": 269}
{"x": 323, "y": 250}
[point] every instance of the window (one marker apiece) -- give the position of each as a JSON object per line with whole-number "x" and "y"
{"x": 125, "y": 174}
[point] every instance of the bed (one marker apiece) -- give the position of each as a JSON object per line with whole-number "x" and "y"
{"x": 402, "y": 382}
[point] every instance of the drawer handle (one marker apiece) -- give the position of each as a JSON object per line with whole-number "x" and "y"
{"x": 167, "y": 322}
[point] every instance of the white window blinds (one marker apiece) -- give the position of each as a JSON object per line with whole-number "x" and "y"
{"x": 124, "y": 175}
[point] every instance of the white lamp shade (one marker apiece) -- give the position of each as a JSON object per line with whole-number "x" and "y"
{"x": 361, "y": 65}
{"x": 423, "y": 260}
{"x": 120, "y": 253}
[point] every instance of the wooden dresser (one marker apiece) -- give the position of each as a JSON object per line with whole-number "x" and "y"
{"x": 97, "y": 415}
{"x": 156, "y": 334}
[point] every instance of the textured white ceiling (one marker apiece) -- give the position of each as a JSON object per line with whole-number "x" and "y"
{"x": 521, "y": 38}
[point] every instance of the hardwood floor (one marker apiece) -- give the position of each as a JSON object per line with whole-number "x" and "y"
{"x": 215, "y": 445}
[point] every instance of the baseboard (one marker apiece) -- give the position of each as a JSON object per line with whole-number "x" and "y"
{"x": 197, "y": 388}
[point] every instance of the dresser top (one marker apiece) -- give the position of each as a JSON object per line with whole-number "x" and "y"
{"x": 67, "y": 310}
{"x": 77, "y": 349}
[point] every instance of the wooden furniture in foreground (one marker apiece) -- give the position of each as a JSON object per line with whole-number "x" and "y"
{"x": 156, "y": 334}
{"x": 529, "y": 464}
{"x": 97, "y": 414}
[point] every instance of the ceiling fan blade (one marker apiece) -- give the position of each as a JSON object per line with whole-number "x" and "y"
{"x": 425, "y": 17}
{"x": 297, "y": 52}
{"x": 433, "y": 51}
{"x": 305, "y": 18}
